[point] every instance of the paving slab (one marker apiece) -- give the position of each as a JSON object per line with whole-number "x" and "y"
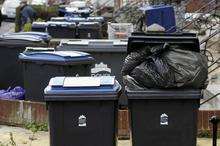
{"x": 24, "y": 137}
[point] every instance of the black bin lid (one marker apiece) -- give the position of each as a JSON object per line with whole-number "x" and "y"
{"x": 82, "y": 88}
{"x": 86, "y": 25}
{"x": 57, "y": 57}
{"x": 137, "y": 40}
{"x": 168, "y": 94}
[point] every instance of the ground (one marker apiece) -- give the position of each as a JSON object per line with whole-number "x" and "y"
{"x": 7, "y": 27}
{"x": 23, "y": 137}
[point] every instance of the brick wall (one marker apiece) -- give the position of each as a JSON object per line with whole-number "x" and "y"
{"x": 22, "y": 112}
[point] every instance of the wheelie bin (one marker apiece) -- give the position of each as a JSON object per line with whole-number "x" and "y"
{"x": 39, "y": 67}
{"x": 89, "y": 30}
{"x": 163, "y": 117}
{"x": 10, "y": 47}
{"x": 82, "y": 110}
{"x": 61, "y": 29}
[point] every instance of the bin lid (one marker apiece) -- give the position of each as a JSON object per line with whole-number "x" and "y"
{"x": 155, "y": 7}
{"x": 21, "y": 41}
{"x": 95, "y": 25}
{"x": 76, "y": 19}
{"x": 57, "y": 57}
{"x": 31, "y": 36}
{"x": 164, "y": 94}
{"x": 58, "y": 19}
{"x": 39, "y": 24}
{"x": 61, "y": 23}
{"x": 38, "y": 49}
{"x": 99, "y": 19}
{"x": 95, "y": 45}
{"x": 82, "y": 88}
{"x": 182, "y": 39}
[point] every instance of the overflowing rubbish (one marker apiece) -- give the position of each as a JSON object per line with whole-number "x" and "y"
{"x": 165, "y": 66}
{"x": 15, "y": 93}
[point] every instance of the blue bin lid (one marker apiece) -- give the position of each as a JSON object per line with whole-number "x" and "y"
{"x": 82, "y": 88}
{"x": 57, "y": 57}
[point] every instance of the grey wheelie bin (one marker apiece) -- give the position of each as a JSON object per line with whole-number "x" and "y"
{"x": 164, "y": 117}
{"x": 109, "y": 56}
{"x": 82, "y": 111}
{"x": 10, "y": 47}
{"x": 39, "y": 67}
{"x": 61, "y": 29}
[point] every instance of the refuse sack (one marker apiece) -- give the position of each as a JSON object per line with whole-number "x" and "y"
{"x": 16, "y": 93}
{"x": 166, "y": 66}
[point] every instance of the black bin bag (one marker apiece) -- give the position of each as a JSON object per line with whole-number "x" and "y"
{"x": 169, "y": 61}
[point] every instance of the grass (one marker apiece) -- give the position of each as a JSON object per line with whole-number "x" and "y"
{"x": 206, "y": 134}
{"x": 34, "y": 127}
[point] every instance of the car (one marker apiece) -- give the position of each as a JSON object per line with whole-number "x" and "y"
{"x": 9, "y": 7}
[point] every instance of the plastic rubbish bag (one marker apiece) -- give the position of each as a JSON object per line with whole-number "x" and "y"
{"x": 136, "y": 58}
{"x": 131, "y": 83}
{"x": 16, "y": 93}
{"x": 169, "y": 67}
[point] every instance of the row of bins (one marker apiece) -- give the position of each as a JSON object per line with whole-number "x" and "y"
{"x": 84, "y": 28}
{"x": 83, "y": 111}
{"x": 109, "y": 56}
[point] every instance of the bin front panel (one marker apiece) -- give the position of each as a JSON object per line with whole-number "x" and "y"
{"x": 82, "y": 123}
{"x": 164, "y": 122}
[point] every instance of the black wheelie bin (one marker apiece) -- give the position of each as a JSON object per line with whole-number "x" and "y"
{"x": 40, "y": 67}
{"x": 10, "y": 47}
{"x": 61, "y": 29}
{"x": 82, "y": 111}
{"x": 164, "y": 117}
{"x": 89, "y": 30}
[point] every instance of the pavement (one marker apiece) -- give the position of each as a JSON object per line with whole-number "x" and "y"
{"x": 24, "y": 137}
{"x": 7, "y": 27}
